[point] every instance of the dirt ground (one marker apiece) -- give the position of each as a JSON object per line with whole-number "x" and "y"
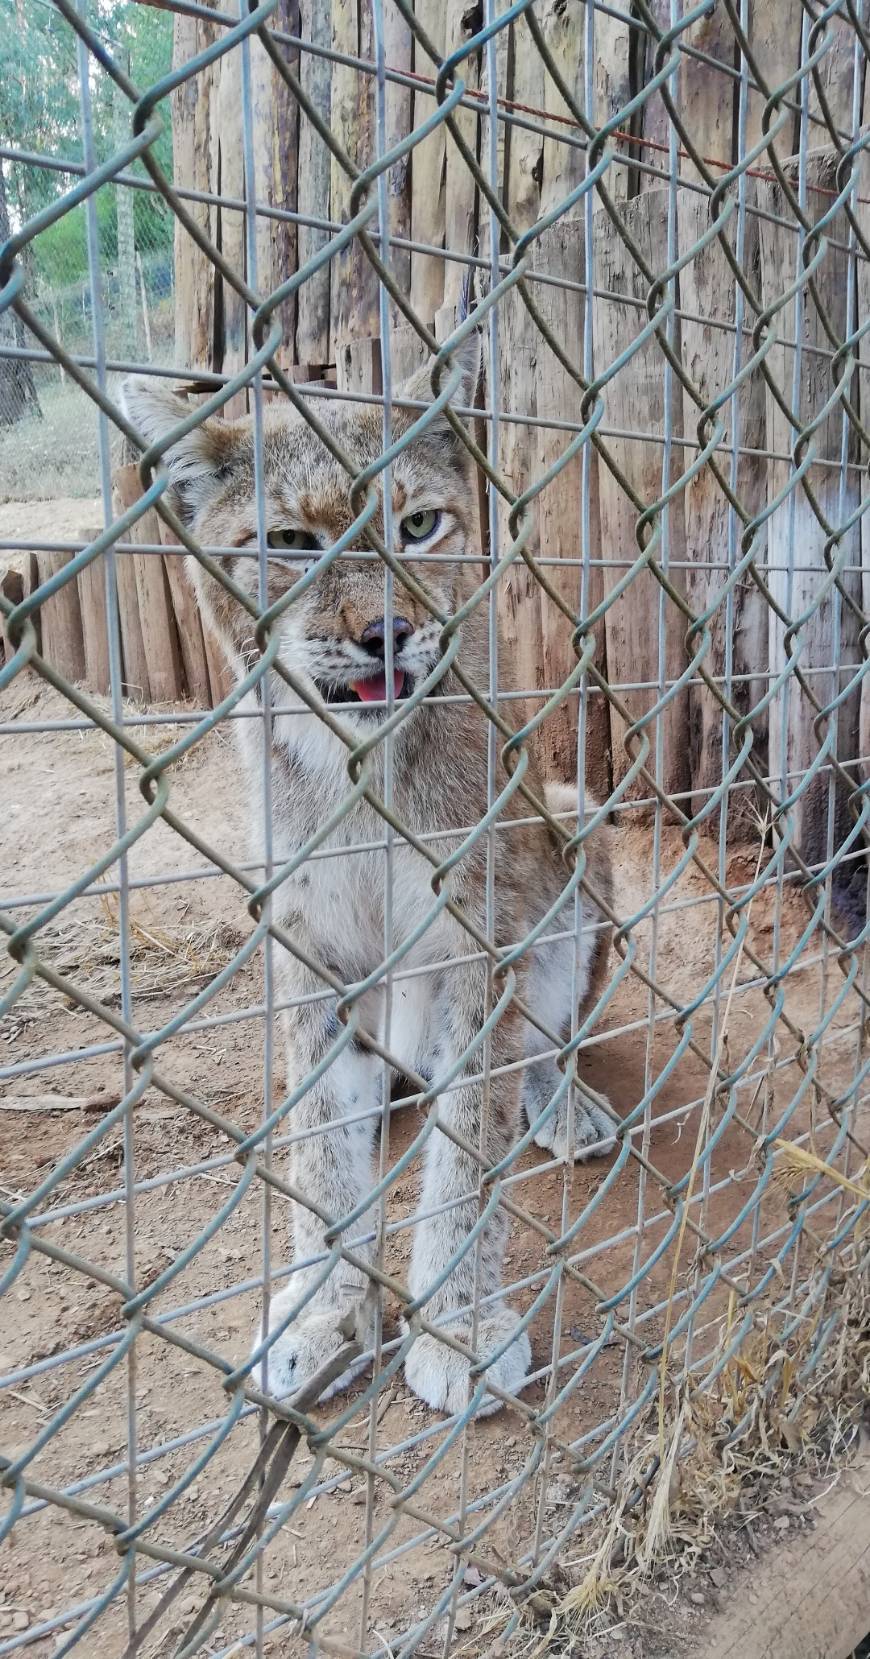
{"x": 58, "y": 519}
{"x": 58, "y": 817}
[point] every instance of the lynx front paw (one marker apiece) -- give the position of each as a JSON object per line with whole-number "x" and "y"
{"x": 592, "y": 1135}
{"x": 439, "y": 1375}
{"x": 304, "y": 1349}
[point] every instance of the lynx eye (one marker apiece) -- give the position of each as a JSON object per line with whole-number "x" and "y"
{"x": 419, "y": 526}
{"x": 293, "y": 541}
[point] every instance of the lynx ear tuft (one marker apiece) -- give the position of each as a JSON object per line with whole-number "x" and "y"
{"x": 466, "y": 357}
{"x": 198, "y": 460}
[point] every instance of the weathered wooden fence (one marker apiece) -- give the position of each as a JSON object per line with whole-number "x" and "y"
{"x": 596, "y": 298}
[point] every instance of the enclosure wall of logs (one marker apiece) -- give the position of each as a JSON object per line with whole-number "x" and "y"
{"x": 331, "y": 328}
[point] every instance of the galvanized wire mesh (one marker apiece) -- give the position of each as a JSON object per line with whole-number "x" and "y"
{"x": 704, "y": 1270}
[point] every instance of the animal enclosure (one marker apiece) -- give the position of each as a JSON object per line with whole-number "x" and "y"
{"x": 652, "y": 226}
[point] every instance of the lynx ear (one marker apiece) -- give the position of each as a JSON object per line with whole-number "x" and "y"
{"x": 466, "y": 357}
{"x": 198, "y": 462}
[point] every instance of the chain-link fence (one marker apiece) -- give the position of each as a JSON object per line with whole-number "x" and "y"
{"x": 465, "y": 694}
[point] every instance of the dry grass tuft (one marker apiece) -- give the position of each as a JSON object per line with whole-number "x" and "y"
{"x": 166, "y": 961}
{"x": 768, "y": 1414}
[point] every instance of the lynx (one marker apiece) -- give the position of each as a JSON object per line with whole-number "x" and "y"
{"x": 339, "y": 639}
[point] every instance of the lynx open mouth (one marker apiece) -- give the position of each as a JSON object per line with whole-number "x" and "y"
{"x": 372, "y": 689}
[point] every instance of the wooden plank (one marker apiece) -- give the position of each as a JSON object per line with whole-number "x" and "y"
{"x": 503, "y": 84}
{"x": 12, "y": 589}
{"x": 525, "y": 147}
{"x": 358, "y": 365}
{"x": 808, "y": 1597}
{"x": 275, "y": 114}
{"x": 221, "y": 676}
{"x": 188, "y": 624}
{"x": 521, "y": 660}
{"x": 158, "y": 622}
{"x": 312, "y": 326}
{"x": 707, "y": 293}
{"x": 796, "y": 541}
{"x": 704, "y": 96}
{"x": 191, "y": 149}
{"x": 841, "y": 72}
{"x": 95, "y": 630}
{"x": 61, "y": 615}
{"x": 563, "y": 25}
{"x": 635, "y": 404}
{"x": 445, "y": 322}
{"x": 228, "y": 178}
{"x": 156, "y": 619}
{"x": 427, "y": 173}
{"x": 560, "y": 522}
{"x": 461, "y": 205}
{"x": 135, "y": 662}
{"x": 353, "y": 285}
{"x": 407, "y": 352}
{"x": 398, "y": 52}
{"x": 22, "y": 577}
{"x": 613, "y": 54}
{"x": 775, "y": 34}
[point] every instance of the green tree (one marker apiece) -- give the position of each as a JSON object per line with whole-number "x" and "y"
{"x": 40, "y": 113}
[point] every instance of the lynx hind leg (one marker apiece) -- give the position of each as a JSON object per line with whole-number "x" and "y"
{"x": 591, "y": 1133}
{"x": 588, "y": 1131}
{"x": 447, "y": 1272}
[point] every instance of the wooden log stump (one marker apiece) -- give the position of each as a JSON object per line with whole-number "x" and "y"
{"x": 95, "y": 632}
{"x": 645, "y": 631}
{"x": 61, "y": 619}
{"x": 160, "y": 668}
{"x": 827, "y": 646}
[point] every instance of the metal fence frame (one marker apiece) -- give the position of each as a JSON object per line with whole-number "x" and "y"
{"x": 810, "y": 1297}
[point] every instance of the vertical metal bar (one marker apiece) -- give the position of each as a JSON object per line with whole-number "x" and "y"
{"x": 90, "y": 158}
{"x": 797, "y": 369}
{"x": 491, "y": 11}
{"x": 389, "y": 927}
{"x": 256, "y": 394}
{"x": 834, "y": 787}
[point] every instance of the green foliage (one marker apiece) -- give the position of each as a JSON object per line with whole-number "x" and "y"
{"x": 40, "y": 112}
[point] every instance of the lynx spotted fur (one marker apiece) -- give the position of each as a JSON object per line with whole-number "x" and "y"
{"x": 333, "y": 636}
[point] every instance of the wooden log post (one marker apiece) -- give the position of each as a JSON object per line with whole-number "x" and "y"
{"x": 61, "y": 619}
{"x": 18, "y": 580}
{"x": 501, "y": 92}
{"x": 538, "y": 653}
{"x": 95, "y": 628}
{"x": 189, "y": 624}
{"x": 644, "y": 630}
{"x": 737, "y": 629}
{"x": 828, "y": 642}
{"x": 563, "y": 24}
{"x": 353, "y": 303}
{"x": 561, "y": 252}
{"x": 428, "y": 171}
{"x": 275, "y": 185}
{"x": 775, "y": 33}
{"x": 12, "y": 589}
{"x": 192, "y": 118}
{"x": 312, "y": 304}
{"x": 160, "y": 668}
{"x": 461, "y": 205}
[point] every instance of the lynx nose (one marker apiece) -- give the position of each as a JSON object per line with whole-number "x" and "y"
{"x": 373, "y": 638}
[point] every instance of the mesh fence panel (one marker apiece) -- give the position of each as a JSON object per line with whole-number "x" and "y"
{"x": 668, "y": 576}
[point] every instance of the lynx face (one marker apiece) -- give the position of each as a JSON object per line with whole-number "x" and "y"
{"x": 334, "y": 633}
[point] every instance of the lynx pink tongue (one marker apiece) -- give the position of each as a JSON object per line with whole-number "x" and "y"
{"x": 374, "y": 690}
